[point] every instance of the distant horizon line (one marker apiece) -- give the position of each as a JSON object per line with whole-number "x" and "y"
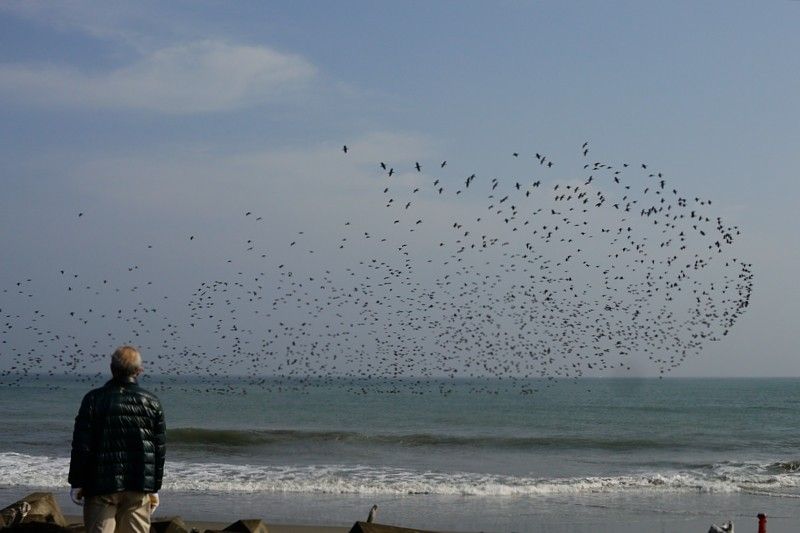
{"x": 400, "y": 379}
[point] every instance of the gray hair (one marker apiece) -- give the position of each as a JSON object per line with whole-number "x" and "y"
{"x": 126, "y": 361}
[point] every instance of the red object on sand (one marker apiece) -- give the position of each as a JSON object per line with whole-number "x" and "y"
{"x": 762, "y": 523}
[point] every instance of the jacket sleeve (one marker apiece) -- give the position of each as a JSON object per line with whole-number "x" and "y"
{"x": 81, "y": 444}
{"x": 160, "y": 440}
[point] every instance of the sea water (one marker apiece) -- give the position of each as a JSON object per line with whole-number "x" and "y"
{"x": 585, "y": 455}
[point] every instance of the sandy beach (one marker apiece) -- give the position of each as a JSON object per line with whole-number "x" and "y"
{"x": 706, "y": 513}
{"x": 564, "y": 525}
{"x": 203, "y": 525}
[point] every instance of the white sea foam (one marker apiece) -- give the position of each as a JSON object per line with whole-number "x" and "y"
{"x": 18, "y": 469}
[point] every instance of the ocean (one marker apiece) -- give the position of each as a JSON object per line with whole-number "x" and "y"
{"x": 467, "y": 455}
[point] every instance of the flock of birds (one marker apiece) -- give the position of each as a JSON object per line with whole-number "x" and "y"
{"x": 465, "y": 276}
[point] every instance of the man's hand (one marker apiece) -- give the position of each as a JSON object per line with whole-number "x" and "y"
{"x": 154, "y": 502}
{"x": 76, "y": 495}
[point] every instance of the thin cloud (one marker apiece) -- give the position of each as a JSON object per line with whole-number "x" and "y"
{"x": 114, "y": 22}
{"x": 198, "y": 77}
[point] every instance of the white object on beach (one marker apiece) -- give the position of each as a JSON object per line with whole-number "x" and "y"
{"x": 372, "y": 514}
{"x": 727, "y": 527}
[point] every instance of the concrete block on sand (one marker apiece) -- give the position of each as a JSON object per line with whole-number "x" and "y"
{"x": 43, "y": 508}
{"x": 370, "y": 527}
{"x": 248, "y": 526}
{"x": 245, "y": 526}
{"x": 174, "y": 524}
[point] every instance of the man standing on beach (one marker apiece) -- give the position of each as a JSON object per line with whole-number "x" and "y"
{"x": 118, "y": 449}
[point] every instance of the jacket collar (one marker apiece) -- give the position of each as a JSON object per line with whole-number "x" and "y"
{"x": 130, "y": 380}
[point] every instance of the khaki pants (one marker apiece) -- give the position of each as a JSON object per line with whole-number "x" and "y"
{"x": 122, "y": 512}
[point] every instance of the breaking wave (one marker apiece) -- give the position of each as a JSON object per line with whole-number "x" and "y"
{"x": 778, "y": 479}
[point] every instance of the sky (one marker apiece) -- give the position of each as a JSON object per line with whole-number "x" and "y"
{"x": 162, "y": 120}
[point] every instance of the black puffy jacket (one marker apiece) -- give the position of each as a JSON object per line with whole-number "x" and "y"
{"x": 119, "y": 440}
